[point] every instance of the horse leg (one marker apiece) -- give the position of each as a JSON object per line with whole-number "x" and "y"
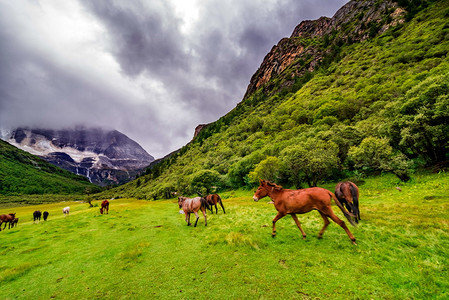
{"x": 221, "y": 204}
{"x": 342, "y": 224}
{"x": 216, "y": 209}
{"x": 299, "y": 226}
{"x": 187, "y": 214}
{"x": 205, "y": 218}
{"x": 326, "y": 223}
{"x": 278, "y": 216}
{"x": 197, "y": 217}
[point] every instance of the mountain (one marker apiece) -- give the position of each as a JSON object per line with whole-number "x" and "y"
{"x": 363, "y": 92}
{"x": 23, "y": 173}
{"x": 103, "y": 156}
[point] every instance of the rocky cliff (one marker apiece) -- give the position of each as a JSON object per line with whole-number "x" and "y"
{"x": 312, "y": 42}
{"x": 103, "y": 156}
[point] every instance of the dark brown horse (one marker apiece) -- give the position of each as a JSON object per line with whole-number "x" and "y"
{"x": 193, "y": 205}
{"x": 213, "y": 199}
{"x": 6, "y": 219}
{"x": 45, "y": 215}
{"x": 104, "y": 207}
{"x": 13, "y": 223}
{"x": 37, "y": 216}
{"x": 292, "y": 202}
{"x": 348, "y": 195}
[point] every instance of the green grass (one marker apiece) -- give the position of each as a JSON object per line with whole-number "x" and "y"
{"x": 144, "y": 250}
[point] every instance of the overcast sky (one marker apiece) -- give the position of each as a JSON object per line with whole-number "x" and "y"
{"x": 151, "y": 69}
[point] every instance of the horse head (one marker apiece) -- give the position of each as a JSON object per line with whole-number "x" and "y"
{"x": 181, "y": 201}
{"x": 261, "y": 191}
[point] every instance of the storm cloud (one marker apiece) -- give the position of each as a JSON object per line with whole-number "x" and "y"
{"x": 153, "y": 70}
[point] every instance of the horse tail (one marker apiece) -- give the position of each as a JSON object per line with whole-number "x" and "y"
{"x": 347, "y": 214}
{"x": 221, "y": 203}
{"x": 204, "y": 203}
{"x": 355, "y": 199}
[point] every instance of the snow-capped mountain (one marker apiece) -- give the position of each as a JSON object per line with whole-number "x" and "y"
{"x": 103, "y": 156}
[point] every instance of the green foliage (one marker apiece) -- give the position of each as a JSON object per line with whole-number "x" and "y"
{"x": 268, "y": 169}
{"x": 377, "y": 154}
{"x": 311, "y": 160}
{"x": 205, "y": 181}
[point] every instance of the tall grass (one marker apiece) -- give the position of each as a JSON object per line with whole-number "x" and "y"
{"x": 144, "y": 250}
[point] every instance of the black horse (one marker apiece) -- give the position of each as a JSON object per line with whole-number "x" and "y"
{"x": 37, "y": 216}
{"x": 46, "y": 215}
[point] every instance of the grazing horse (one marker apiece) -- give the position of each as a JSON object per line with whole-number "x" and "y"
{"x": 348, "y": 195}
{"x": 292, "y": 202}
{"x": 45, "y": 215}
{"x": 37, "y": 216}
{"x": 213, "y": 199}
{"x": 66, "y": 210}
{"x": 6, "y": 219}
{"x": 104, "y": 207}
{"x": 193, "y": 205}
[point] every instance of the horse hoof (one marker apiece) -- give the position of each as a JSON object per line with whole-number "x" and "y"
{"x": 354, "y": 243}
{"x": 304, "y": 237}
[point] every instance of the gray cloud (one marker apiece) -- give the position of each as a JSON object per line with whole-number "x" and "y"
{"x": 145, "y": 68}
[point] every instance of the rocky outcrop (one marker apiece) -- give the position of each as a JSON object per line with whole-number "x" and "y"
{"x": 311, "y": 41}
{"x": 103, "y": 156}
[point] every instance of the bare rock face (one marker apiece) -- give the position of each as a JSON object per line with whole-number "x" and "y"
{"x": 311, "y": 41}
{"x": 103, "y": 156}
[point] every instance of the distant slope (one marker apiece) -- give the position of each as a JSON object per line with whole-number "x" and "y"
{"x": 22, "y": 173}
{"x": 375, "y": 104}
{"x": 103, "y": 156}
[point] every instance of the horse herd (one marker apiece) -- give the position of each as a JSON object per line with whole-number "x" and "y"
{"x": 12, "y": 221}
{"x": 291, "y": 202}
{"x": 286, "y": 202}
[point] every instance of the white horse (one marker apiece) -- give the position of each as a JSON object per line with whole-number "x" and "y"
{"x": 66, "y": 210}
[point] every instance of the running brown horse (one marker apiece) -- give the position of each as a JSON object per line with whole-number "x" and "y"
{"x": 6, "y": 219}
{"x": 213, "y": 199}
{"x": 348, "y": 195}
{"x": 104, "y": 207}
{"x": 193, "y": 205}
{"x": 292, "y": 202}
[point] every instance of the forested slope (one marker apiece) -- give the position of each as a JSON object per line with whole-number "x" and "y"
{"x": 378, "y": 104}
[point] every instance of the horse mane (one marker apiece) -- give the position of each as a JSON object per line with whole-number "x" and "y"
{"x": 274, "y": 185}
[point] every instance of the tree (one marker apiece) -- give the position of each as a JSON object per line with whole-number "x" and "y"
{"x": 311, "y": 160}
{"x": 268, "y": 169}
{"x": 377, "y": 154}
{"x": 204, "y": 180}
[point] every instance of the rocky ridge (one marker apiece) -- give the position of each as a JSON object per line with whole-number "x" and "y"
{"x": 312, "y": 41}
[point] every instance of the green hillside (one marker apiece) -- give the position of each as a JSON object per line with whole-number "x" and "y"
{"x": 24, "y": 174}
{"x": 380, "y": 105}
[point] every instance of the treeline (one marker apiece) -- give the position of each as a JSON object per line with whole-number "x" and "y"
{"x": 381, "y": 106}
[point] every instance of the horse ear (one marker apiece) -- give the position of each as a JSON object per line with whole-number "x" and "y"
{"x": 261, "y": 181}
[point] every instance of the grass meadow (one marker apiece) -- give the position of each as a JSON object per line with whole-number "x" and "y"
{"x": 144, "y": 250}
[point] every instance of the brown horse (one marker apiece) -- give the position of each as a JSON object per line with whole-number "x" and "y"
{"x": 292, "y": 202}
{"x": 6, "y": 219}
{"x": 213, "y": 199}
{"x": 348, "y": 195}
{"x": 193, "y": 205}
{"x": 104, "y": 207}
{"x": 13, "y": 223}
